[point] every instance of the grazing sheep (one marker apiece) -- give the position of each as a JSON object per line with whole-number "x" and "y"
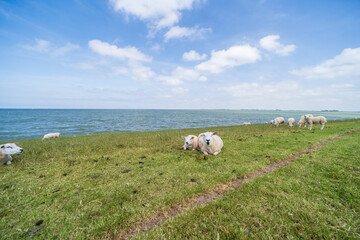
{"x": 302, "y": 120}
{"x": 191, "y": 142}
{"x": 209, "y": 142}
{"x": 6, "y": 150}
{"x": 277, "y": 121}
{"x": 315, "y": 120}
{"x": 291, "y": 122}
{"x": 51, "y": 135}
{"x": 272, "y": 122}
{"x": 247, "y": 123}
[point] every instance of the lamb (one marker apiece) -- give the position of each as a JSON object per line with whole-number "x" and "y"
{"x": 6, "y": 150}
{"x": 315, "y": 120}
{"x": 302, "y": 120}
{"x": 51, "y": 135}
{"x": 209, "y": 142}
{"x": 247, "y": 123}
{"x": 191, "y": 142}
{"x": 277, "y": 121}
{"x": 291, "y": 122}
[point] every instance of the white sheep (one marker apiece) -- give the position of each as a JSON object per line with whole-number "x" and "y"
{"x": 315, "y": 120}
{"x": 302, "y": 120}
{"x": 6, "y": 150}
{"x": 291, "y": 122}
{"x": 277, "y": 121}
{"x": 51, "y": 135}
{"x": 191, "y": 142}
{"x": 247, "y": 123}
{"x": 209, "y": 142}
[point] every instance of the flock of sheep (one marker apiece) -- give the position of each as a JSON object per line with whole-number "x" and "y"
{"x": 307, "y": 119}
{"x": 208, "y": 142}
{"x": 211, "y": 143}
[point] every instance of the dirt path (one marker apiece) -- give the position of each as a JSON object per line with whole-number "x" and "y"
{"x": 220, "y": 191}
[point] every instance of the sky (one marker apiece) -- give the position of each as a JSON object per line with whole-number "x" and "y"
{"x": 180, "y": 54}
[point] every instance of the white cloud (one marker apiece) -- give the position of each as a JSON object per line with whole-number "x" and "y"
{"x": 180, "y": 91}
{"x": 44, "y": 46}
{"x": 232, "y": 57}
{"x": 127, "y": 53}
{"x": 290, "y": 95}
{"x": 184, "y": 32}
{"x": 40, "y": 46}
{"x": 159, "y": 13}
{"x": 180, "y": 74}
{"x": 193, "y": 56}
{"x": 346, "y": 64}
{"x": 132, "y": 55}
{"x": 141, "y": 73}
{"x": 272, "y": 44}
{"x": 65, "y": 49}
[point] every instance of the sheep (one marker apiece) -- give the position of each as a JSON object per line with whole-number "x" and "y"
{"x": 277, "y": 121}
{"x": 209, "y": 142}
{"x": 315, "y": 120}
{"x": 247, "y": 123}
{"x": 6, "y": 150}
{"x": 302, "y": 120}
{"x": 51, "y": 135}
{"x": 291, "y": 122}
{"x": 191, "y": 142}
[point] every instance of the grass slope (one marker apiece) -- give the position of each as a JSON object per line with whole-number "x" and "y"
{"x": 79, "y": 188}
{"x": 315, "y": 197}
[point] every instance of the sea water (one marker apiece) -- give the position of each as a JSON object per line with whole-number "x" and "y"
{"x": 34, "y": 123}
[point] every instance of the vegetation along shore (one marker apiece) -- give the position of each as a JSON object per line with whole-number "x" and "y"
{"x": 267, "y": 182}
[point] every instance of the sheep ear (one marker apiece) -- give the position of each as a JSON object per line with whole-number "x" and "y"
{"x": 192, "y": 137}
{"x": 202, "y": 135}
{"x": 182, "y": 137}
{"x": 214, "y": 133}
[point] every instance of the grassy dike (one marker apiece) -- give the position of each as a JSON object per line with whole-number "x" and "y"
{"x": 315, "y": 197}
{"x": 102, "y": 186}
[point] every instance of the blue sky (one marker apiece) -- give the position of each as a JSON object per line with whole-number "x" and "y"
{"x": 180, "y": 54}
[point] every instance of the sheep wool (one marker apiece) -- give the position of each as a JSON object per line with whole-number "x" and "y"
{"x": 51, "y": 135}
{"x": 277, "y": 121}
{"x": 210, "y": 143}
{"x": 191, "y": 142}
{"x": 303, "y": 121}
{"x": 315, "y": 120}
{"x": 291, "y": 122}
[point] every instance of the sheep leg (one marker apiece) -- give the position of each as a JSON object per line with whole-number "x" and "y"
{"x": 216, "y": 153}
{"x": 322, "y": 126}
{"x": 205, "y": 153}
{"x": 8, "y": 162}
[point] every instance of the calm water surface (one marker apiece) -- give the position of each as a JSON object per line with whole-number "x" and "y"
{"x": 34, "y": 123}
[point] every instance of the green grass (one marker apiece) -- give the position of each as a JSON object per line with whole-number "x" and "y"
{"x": 315, "y": 197}
{"x": 76, "y": 185}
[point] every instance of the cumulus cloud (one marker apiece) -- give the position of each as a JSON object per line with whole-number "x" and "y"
{"x": 193, "y": 56}
{"x": 290, "y": 95}
{"x": 272, "y": 44}
{"x": 44, "y": 46}
{"x": 127, "y": 53}
{"x": 159, "y": 13}
{"x": 184, "y": 32}
{"x": 132, "y": 55}
{"x": 141, "y": 73}
{"x": 180, "y": 74}
{"x": 232, "y": 57}
{"x": 346, "y": 64}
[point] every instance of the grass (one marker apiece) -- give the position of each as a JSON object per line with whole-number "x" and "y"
{"x": 315, "y": 197}
{"x": 78, "y": 186}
